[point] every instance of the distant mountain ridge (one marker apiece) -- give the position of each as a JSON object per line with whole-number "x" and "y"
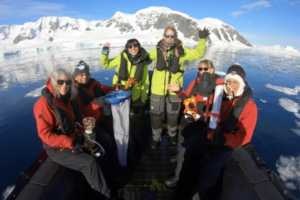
{"x": 147, "y": 23}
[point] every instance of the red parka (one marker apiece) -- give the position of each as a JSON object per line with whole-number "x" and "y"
{"x": 46, "y": 120}
{"x": 92, "y": 109}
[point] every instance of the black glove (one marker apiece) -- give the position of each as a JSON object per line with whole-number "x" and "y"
{"x": 76, "y": 147}
{"x": 203, "y": 33}
{"x": 101, "y": 101}
{"x": 218, "y": 139}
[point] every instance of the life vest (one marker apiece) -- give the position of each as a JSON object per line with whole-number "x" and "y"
{"x": 173, "y": 62}
{"x": 85, "y": 97}
{"x": 66, "y": 126}
{"x": 232, "y": 120}
{"x": 141, "y": 60}
{"x": 200, "y": 98}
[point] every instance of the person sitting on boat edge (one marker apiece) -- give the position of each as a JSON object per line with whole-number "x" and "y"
{"x": 236, "y": 124}
{"x": 91, "y": 97}
{"x": 169, "y": 56}
{"x": 131, "y": 73}
{"x": 197, "y": 99}
{"x": 58, "y": 121}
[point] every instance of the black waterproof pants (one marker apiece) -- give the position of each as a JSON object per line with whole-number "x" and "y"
{"x": 206, "y": 177}
{"x": 186, "y": 128}
{"x": 109, "y": 162}
{"x": 86, "y": 164}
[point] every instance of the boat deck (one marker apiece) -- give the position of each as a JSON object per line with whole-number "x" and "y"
{"x": 147, "y": 174}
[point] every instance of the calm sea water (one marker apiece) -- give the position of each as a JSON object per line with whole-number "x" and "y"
{"x": 277, "y": 133}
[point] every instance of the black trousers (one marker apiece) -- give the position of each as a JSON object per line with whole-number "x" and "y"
{"x": 86, "y": 164}
{"x": 206, "y": 177}
{"x": 109, "y": 161}
{"x": 188, "y": 128}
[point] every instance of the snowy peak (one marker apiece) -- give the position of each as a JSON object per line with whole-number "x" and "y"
{"x": 149, "y": 22}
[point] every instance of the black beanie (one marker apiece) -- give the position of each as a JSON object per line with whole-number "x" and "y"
{"x": 82, "y": 67}
{"x": 237, "y": 70}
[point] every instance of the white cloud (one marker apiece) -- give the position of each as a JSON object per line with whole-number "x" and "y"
{"x": 295, "y": 3}
{"x": 237, "y": 13}
{"x": 17, "y": 9}
{"x": 258, "y": 4}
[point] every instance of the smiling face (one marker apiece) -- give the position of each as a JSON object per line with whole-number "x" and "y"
{"x": 169, "y": 33}
{"x": 205, "y": 68}
{"x": 83, "y": 78}
{"x": 133, "y": 48}
{"x": 63, "y": 88}
{"x": 234, "y": 84}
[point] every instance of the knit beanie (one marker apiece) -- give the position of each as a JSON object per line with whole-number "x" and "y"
{"x": 82, "y": 67}
{"x": 236, "y": 72}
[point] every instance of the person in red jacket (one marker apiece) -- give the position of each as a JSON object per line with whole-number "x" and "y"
{"x": 197, "y": 100}
{"x": 238, "y": 116}
{"x": 91, "y": 97}
{"x": 59, "y": 121}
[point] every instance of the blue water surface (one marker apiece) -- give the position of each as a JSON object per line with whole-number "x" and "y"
{"x": 273, "y": 138}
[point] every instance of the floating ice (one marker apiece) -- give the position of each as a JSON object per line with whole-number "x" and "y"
{"x": 298, "y": 123}
{"x": 289, "y": 105}
{"x": 288, "y": 168}
{"x": 106, "y": 78}
{"x": 7, "y": 191}
{"x": 288, "y": 91}
{"x": 35, "y": 93}
{"x": 264, "y": 101}
{"x": 297, "y": 131}
{"x": 220, "y": 73}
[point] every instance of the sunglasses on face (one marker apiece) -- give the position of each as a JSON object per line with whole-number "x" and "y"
{"x": 172, "y": 36}
{"x": 133, "y": 45}
{"x": 61, "y": 82}
{"x": 205, "y": 69}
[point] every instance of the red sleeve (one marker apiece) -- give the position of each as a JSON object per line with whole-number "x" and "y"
{"x": 184, "y": 94}
{"x": 106, "y": 89}
{"x": 45, "y": 123}
{"x": 91, "y": 110}
{"x": 246, "y": 127}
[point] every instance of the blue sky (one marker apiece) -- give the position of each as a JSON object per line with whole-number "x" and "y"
{"x": 261, "y": 22}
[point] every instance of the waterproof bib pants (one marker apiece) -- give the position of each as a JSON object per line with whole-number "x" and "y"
{"x": 158, "y": 105}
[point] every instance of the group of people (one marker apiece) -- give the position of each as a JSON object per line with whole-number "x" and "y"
{"x": 68, "y": 98}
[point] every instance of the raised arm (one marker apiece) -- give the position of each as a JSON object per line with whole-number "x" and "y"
{"x": 108, "y": 63}
{"x": 195, "y": 54}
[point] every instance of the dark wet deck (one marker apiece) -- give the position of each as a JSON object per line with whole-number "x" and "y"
{"x": 148, "y": 173}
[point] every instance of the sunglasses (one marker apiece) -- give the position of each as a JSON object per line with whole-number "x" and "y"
{"x": 133, "y": 45}
{"x": 61, "y": 82}
{"x": 205, "y": 69}
{"x": 167, "y": 36}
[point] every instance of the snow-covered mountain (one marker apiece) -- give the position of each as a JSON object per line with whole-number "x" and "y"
{"x": 146, "y": 25}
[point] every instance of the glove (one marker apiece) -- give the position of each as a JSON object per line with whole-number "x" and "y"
{"x": 203, "y": 33}
{"x": 100, "y": 101}
{"x": 76, "y": 147}
{"x": 218, "y": 139}
{"x": 105, "y": 50}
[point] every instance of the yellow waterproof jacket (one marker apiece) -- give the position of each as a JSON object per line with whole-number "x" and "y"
{"x": 160, "y": 79}
{"x": 140, "y": 90}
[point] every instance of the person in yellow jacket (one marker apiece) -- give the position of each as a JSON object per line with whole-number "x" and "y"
{"x": 131, "y": 74}
{"x": 169, "y": 56}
